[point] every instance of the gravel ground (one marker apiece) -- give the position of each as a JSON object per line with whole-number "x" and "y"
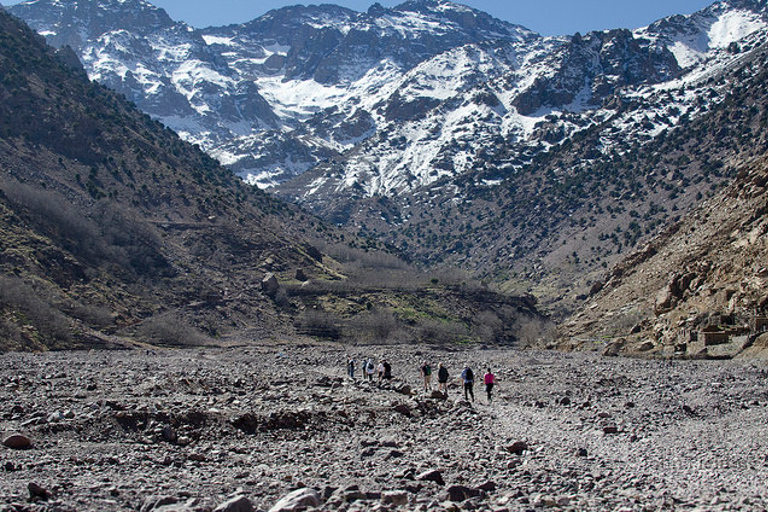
{"x": 239, "y": 429}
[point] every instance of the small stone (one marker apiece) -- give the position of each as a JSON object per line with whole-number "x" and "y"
{"x": 458, "y": 493}
{"x": 403, "y": 409}
{"x": 518, "y": 447}
{"x": 487, "y": 486}
{"x": 37, "y": 493}
{"x": 156, "y": 502}
{"x": 396, "y": 498}
{"x": 55, "y": 417}
{"x": 17, "y": 442}
{"x": 269, "y": 285}
{"x": 298, "y": 500}
{"x": 431, "y": 476}
{"x": 169, "y": 434}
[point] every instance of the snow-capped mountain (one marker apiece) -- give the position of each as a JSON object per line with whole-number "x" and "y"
{"x": 240, "y": 88}
{"x": 391, "y": 98}
{"x": 383, "y": 119}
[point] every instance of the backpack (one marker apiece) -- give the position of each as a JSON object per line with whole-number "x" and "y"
{"x": 442, "y": 374}
{"x": 469, "y": 375}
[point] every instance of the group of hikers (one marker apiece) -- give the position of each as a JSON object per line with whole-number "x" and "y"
{"x": 368, "y": 367}
{"x": 383, "y": 372}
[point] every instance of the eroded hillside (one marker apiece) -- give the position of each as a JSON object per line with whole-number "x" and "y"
{"x": 697, "y": 290}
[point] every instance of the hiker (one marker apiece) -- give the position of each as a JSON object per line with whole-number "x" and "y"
{"x": 387, "y": 370}
{"x": 426, "y": 374}
{"x": 380, "y": 370}
{"x": 468, "y": 377}
{"x": 351, "y": 368}
{"x": 369, "y": 368}
{"x": 489, "y": 380}
{"x": 442, "y": 378}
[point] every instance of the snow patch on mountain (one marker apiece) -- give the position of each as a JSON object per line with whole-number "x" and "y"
{"x": 734, "y": 26}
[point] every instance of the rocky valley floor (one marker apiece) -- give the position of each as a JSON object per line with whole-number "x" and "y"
{"x": 238, "y": 429}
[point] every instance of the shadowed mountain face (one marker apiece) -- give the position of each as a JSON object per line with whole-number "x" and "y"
{"x": 109, "y": 219}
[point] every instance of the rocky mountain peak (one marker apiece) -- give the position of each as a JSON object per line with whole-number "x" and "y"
{"x": 74, "y": 23}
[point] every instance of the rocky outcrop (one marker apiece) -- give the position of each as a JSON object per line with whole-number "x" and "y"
{"x": 700, "y": 284}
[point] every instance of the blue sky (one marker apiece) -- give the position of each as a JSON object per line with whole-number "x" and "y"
{"x": 547, "y": 17}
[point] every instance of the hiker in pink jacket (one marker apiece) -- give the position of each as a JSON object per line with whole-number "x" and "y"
{"x": 489, "y": 379}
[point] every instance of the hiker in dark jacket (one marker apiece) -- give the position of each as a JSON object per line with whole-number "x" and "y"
{"x": 442, "y": 378}
{"x": 468, "y": 378}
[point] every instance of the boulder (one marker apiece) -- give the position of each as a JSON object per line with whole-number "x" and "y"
{"x": 462, "y": 493}
{"x": 298, "y": 500}
{"x": 17, "y": 442}
{"x": 403, "y": 409}
{"x": 236, "y": 504}
{"x": 405, "y": 389}
{"x": 38, "y": 493}
{"x": 396, "y": 498}
{"x": 518, "y": 447}
{"x": 155, "y": 502}
{"x": 614, "y": 349}
{"x": 269, "y": 285}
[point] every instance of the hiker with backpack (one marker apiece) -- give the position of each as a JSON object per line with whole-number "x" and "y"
{"x": 426, "y": 374}
{"x": 369, "y": 369}
{"x": 468, "y": 378}
{"x": 387, "y": 370}
{"x": 442, "y": 379}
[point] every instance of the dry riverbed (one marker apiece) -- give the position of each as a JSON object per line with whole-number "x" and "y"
{"x": 238, "y": 429}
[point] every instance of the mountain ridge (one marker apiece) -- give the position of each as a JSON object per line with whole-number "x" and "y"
{"x": 116, "y": 233}
{"x": 478, "y": 129}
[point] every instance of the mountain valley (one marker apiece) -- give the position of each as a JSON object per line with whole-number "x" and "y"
{"x": 117, "y": 233}
{"x": 471, "y": 147}
{"x": 454, "y": 138}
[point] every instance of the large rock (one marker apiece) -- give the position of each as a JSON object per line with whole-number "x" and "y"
{"x": 458, "y": 493}
{"x": 298, "y": 500}
{"x": 17, "y": 442}
{"x": 269, "y": 285}
{"x": 236, "y": 504}
{"x": 396, "y": 498}
{"x": 518, "y": 447}
{"x": 432, "y": 476}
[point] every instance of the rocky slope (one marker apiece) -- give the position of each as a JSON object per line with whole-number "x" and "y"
{"x": 696, "y": 290}
{"x": 116, "y": 230}
{"x": 239, "y": 429}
